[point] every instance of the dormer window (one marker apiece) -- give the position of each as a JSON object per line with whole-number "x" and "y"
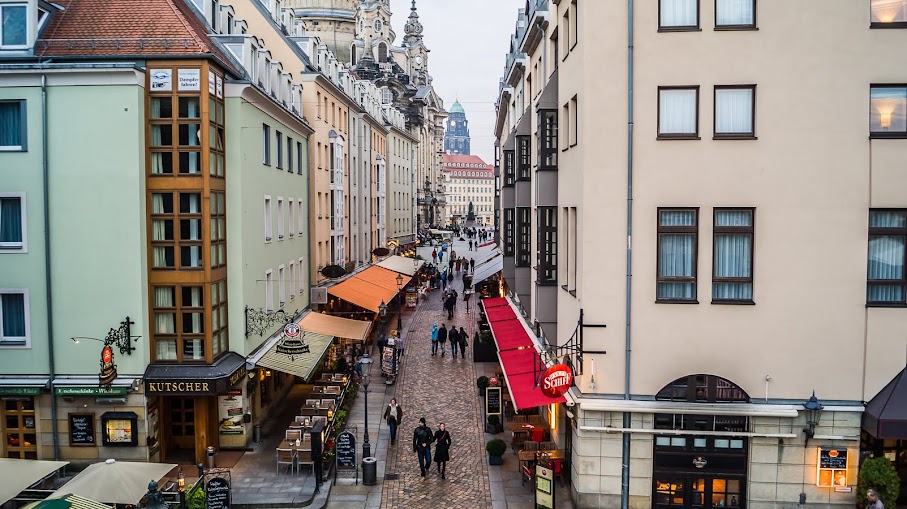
{"x": 229, "y": 24}
{"x": 14, "y": 28}
{"x": 215, "y": 13}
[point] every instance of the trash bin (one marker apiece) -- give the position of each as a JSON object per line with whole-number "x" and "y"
{"x": 256, "y": 433}
{"x": 211, "y": 453}
{"x": 370, "y": 471}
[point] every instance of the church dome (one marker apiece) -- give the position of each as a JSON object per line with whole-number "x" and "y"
{"x": 457, "y": 107}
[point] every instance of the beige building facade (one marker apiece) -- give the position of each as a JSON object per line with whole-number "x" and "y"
{"x": 468, "y": 181}
{"x": 726, "y": 225}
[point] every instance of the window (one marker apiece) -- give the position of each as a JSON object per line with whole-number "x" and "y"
{"x": 12, "y": 125}
{"x": 289, "y": 154}
{"x": 267, "y": 219}
{"x": 573, "y": 35}
{"x": 547, "y": 245}
{"x": 301, "y": 212}
{"x": 732, "y": 273}
{"x": 14, "y": 326}
{"x": 176, "y": 230}
{"x": 547, "y": 141}
{"x": 735, "y": 14}
{"x": 888, "y": 13}
{"x": 678, "y": 15}
{"x": 298, "y": 157}
{"x": 12, "y": 222}
{"x": 13, "y": 27}
{"x": 565, "y": 26}
{"x": 291, "y": 216}
{"x": 218, "y": 209}
{"x": 281, "y": 287}
{"x": 524, "y": 232}
{"x": 509, "y": 167}
{"x": 678, "y": 113}
{"x": 524, "y": 159}
{"x": 735, "y": 108}
{"x": 509, "y": 241}
{"x": 266, "y": 144}
{"x": 279, "y": 149}
{"x": 573, "y": 134}
{"x": 565, "y": 122}
{"x": 280, "y": 219}
{"x": 888, "y": 111}
{"x": 269, "y": 291}
{"x": 885, "y": 273}
{"x": 677, "y": 240}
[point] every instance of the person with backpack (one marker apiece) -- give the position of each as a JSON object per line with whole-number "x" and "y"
{"x": 422, "y": 439}
{"x": 434, "y": 339}
{"x": 454, "y": 338}
{"x": 462, "y": 336}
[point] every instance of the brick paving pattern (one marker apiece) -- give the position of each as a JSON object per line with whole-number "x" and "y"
{"x": 440, "y": 389}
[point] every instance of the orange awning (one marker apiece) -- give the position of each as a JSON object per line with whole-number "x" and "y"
{"x": 368, "y": 288}
{"x": 335, "y": 326}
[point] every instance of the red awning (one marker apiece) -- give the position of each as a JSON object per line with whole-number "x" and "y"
{"x": 519, "y": 359}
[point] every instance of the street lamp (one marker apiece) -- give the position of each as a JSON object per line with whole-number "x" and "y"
{"x": 813, "y": 408}
{"x": 154, "y": 499}
{"x": 382, "y": 309}
{"x": 181, "y": 482}
{"x": 400, "y": 306}
{"x": 365, "y": 367}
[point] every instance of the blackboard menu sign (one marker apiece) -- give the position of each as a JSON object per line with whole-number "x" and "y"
{"x": 217, "y": 493}
{"x": 832, "y": 468}
{"x": 833, "y": 458}
{"x": 346, "y": 450}
{"x": 493, "y": 400}
{"x": 81, "y": 430}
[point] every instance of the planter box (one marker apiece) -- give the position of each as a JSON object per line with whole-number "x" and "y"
{"x": 494, "y": 429}
{"x": 495, "y": 460}
{"x": 484, "y": 351}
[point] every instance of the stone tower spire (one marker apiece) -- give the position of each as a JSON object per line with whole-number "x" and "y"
{"x": 413, "y": 28}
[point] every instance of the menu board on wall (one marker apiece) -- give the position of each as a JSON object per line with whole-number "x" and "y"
{"x": 230, "y": 413}
{"x": 831, "y": 468}
{"x": 81, "y": 430}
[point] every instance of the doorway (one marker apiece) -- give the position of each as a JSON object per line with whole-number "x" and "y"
{"x": 692, "y": 490}
{"x": 180, "y": 414}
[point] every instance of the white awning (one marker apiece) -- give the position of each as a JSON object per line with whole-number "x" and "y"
{"x": 19, "y": 474}
{"x": 302, "y": 365}
{"x": 401, "y": 264}
{"x": 23, "y": 381}
{"x": 488, "y": 268}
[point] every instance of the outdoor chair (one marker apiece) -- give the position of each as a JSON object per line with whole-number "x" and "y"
{"x": 321, "y": 418}
{"x": 556, "y": 469}
{"x": 296, "y": 426}
{"x": 529, "y": 445}
{"x": 293, "y": 434}
{"x": 535, "y": 419}
{"x": 301, "y": 419}
{"x": 520, "y": 418}
{"x": 327, "y": 402}
{"x": 312, "y": 402}
{"x": 547, "y": 446}
{"x": 305, "y": 458}
{"x": 537, "y": 434}
{"x": 285, "y": 457}
{"x": 332, "y": 389}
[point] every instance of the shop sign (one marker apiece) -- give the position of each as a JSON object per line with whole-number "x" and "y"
{"x": 217, "y": 493}
{"x": 189, "y": 79}
{"x": 108, "y": 368}
{"x": 544, "y": 494}
{"x": 237, "y": 375}
{"x": 185, "y": 387}
{"x": 345, "y": 449}
{"x": 161, "y": 80}
{"x": 20, "y": 391}
{"x": 230, "y": 413}
{"x": 557, "y": 380}
{"x": 292, "y": 344}
{"x": 493, "y": 400}
{"x": 831, "y": 468}
{"x": 91, "y": 391}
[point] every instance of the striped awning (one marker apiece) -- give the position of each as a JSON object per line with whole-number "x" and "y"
{"x": 302, "y": 365}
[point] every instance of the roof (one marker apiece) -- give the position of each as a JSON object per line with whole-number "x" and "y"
{"x": 401, "y": 264}
{"x": 457, "y": 107}
{"x": 369, "y": 288}
{"x": 127, "y": 28}
{"x": 335, "y": 326}
{"x": 886, "y": 414}
{"x": 459, "y": 160}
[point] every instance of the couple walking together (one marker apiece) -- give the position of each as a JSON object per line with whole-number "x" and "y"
{"x": 422, "y": 439}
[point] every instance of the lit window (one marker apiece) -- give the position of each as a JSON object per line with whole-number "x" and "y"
{"x": 888, "y": 111}
{"x": 888, "y": 13}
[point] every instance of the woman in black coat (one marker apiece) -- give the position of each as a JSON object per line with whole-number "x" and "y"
{"x": 442, "y": 449}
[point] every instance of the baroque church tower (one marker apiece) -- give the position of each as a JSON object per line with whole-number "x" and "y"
{"x": 332, "y": 21}
{"x": 456, "y": 139}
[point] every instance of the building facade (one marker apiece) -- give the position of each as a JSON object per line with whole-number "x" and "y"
{"x": 331, "y": 21}
{"x": 616, "y": 204}
{"x": 457, "y": 140}
{"x": 469, "y": 184}
{"x": 401, "y": 181}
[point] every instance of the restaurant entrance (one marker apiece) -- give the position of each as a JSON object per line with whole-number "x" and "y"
{"x": 179, "y": 413}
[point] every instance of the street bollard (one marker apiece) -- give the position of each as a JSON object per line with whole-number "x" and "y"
{"x": 211, "y": 453}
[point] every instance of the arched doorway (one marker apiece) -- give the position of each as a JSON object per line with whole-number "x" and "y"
{"x": 702, "y": 463}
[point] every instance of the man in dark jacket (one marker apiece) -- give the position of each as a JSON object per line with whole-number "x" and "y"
{"x": 454, "y": 337}
{"x": 442, "y": 338}
{"x": 449, "y": 305}
{"x": 422, "y": 439}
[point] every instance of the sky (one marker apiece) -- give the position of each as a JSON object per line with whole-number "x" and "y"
{"x": 468, "y": 40}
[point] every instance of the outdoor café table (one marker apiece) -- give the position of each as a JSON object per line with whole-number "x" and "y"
{"x": 529, "y": 458}
{"x": 304, "y": 445}
{"x": 314, "y": 410}
{"x": 519, "y": 428}
{"x": 300, "y": 426}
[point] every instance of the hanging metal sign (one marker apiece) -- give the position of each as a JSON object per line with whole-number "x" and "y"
{"x": 292, "y": 344}
{"x": 557, "y": 380}
{"x": 108, "y": 371}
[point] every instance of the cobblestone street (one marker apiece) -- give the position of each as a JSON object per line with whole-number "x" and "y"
{"x": 441, "y": 389}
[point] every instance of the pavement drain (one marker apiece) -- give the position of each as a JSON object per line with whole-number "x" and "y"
{"x": 391, "y": 477}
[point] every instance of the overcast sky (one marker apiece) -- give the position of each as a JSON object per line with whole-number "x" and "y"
{"x": 468, "y": 40}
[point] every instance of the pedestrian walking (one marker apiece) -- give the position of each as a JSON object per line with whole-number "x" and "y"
{"x": 442, "y": 449}
{"x": 872, "y": 496}
{"x": 453, "y": 254}
{"x": 434, "y": 339}
{"x": 454, "y": 338}
{"x": 442, "y": 338}
{"x": 458, "y": 265}
{"x": 449, "y": 305}
{"x": 441, "y": 256}
{"x": 472, "y": 265}
{"x": 434, "y": 256}
{"x": 444, "y": 280}
{"x": 401, "y": 346}
{"x": 422, "y": 439}
{"x": 470, "y": 244}
{"x": 462, "y": 343}
{"x": 393, "y": 414}
{"x": 451, "y": 264}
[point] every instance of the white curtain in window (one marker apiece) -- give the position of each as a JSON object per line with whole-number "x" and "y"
{"x": 193, "y": 349}
{"x": 160, "y": 256}
{"x": 734, "y": 110}
{"x": 675, "y": 259}
{"x": 679, "y": 13}
{"x": 192, "y": 297}
{"x": 166, "y": 349}
{"x": 195, "y": 203}
{"x": 163, "y": 297}
{"x": 165, "y": 323}
{"x": 159, "y": 230}
{"x": 677, "y": 109}
{"x": 157, "y": 203}
{"x": 156, "y": 138}
{"x": 886, "y": 257}
{"x": 733, "y": 259}
{"x": 734, "y": 12}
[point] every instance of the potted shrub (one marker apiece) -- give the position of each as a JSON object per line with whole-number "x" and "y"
{"x": 880, "y": 475}
{"x": 484, "y": 348}
{"x": 496, "y": 448}
{"x": 494, "y": 424}
{"x": 482, "y": 384}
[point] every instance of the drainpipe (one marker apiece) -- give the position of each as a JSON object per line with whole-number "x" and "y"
{"x": 625, "y": 456}
{"x": 47, "y": 277}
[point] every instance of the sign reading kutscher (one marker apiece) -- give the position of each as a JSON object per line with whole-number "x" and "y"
{"x": 557, "y": 380}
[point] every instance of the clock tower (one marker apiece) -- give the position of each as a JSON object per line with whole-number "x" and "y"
{"x": 456, "y": 137}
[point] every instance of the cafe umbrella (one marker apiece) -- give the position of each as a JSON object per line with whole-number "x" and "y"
{"x": 19, "y": 474}
{"x": 114, "y": 482}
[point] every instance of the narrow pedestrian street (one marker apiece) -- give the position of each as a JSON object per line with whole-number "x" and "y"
{"x": 441, "y": 389}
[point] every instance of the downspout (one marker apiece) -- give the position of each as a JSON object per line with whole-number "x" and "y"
{"x": 47, "y": 276}
{"x": 625, "y": 456}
